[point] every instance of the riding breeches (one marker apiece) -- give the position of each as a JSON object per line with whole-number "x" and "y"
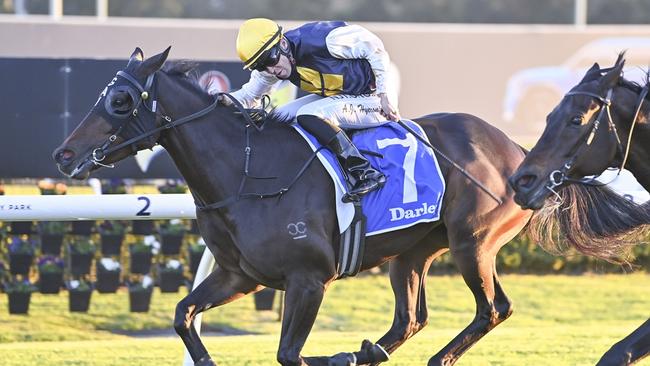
{"x": 346, "y": 111}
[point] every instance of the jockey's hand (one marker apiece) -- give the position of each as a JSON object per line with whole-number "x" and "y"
{"x": 388, "y": 109}
{"x": 224, "y": 100}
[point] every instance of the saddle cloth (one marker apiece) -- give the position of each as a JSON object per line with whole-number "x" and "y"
{"x": 414, "y": 186}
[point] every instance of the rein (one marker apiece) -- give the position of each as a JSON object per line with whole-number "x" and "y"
{"x": 560, "y": 176}
{"x": 453, "y": 163}
{"x": 146, "y": 93}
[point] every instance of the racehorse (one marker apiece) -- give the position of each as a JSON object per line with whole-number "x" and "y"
{"x": 602, "y": 122}
{"x": 220, "y": 151}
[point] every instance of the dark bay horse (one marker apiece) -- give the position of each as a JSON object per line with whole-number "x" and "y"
{"x": 248, "y": 234}
{"x": 595, "y": 126}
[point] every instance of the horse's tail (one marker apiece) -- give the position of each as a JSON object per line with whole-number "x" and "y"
{"x": 592, "y": 219}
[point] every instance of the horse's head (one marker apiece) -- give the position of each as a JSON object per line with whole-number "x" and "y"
{"x": 579, "y": 139}
{"x": 123, "y": 120}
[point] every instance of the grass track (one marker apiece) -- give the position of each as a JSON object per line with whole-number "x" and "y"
{"x": 558, "y": 320}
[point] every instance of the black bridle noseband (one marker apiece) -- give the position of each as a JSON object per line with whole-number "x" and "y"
{"x": 560, "y": 176}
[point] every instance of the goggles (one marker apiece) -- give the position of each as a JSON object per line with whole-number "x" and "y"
{"x": 268, "y": 58}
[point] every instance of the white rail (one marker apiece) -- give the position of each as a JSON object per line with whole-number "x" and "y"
{"x": 109, "y": 207}
{"x": 97, "y": 207}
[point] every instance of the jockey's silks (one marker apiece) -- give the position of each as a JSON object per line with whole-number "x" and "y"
{"x": 318, "y": 72}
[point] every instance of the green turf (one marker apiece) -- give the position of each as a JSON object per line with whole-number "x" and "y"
{"x": 558, "y": 320}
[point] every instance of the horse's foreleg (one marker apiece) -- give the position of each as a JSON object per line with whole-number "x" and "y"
{"x": 492, "y": 305}
{"x": 220, "y": 287}
{"x": 629, "y": 350}
{"x": 407, "y": 278}
{"x": 303, "y": 298}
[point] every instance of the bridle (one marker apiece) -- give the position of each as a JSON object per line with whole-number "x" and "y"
{"x": 560, "y": 176}
{"x": 141, "y": 95}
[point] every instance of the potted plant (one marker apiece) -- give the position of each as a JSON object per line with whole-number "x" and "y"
{"x": 52, "y": 236}
{"x": 81, "y": 250}
{"x": 264, "y": 299}
{"x": 194, "y": 227}
{"x": 21, "y": 254}
{"x": 79, "y": 293}
{"x": 113, "y": 186}
{"x": 172, "y": 186}
{"x": 50, "y": 274}
{"x": 108, "y": 275}
{"x": 82, "y": 227}
{"x": 111, "y": 234}
{"x": 48, "y": 187}
{"x": 142, "y": 227}
{"x": 195, "y": 251}
{"x": 170, "y": 276}
{"x": 171, "y": 236}
{"x": 20, "y": 294}
{"x": 21, "y": 227}
{"x": 140, "y": 294}
{"x": 3, "y": 274}
{"x": 141, "y": 252}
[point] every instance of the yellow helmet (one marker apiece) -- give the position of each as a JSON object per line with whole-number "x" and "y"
{"x": 256, "y": 36}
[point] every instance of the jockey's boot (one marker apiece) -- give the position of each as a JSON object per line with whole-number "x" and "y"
{"x": 363, "y": 177}
{"x": 361, "y": 174}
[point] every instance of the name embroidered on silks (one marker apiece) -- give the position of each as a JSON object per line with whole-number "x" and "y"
{"x": 414, "y": 187}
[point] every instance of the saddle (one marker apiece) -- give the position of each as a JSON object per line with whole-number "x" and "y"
{"x": 412, "y": 194}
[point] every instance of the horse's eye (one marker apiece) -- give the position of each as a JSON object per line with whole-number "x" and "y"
{"x": 120, "y": 104}
{"x": 576, "y": 121}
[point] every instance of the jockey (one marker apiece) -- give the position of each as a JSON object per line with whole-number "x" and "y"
{"x": 344, "y": 67}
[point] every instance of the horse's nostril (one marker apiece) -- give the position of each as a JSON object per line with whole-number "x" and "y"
{"x": 525, "y": 181}
{"x": 63, "y": 155}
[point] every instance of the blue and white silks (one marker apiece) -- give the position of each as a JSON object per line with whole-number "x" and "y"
{"x": 414, "y": 186}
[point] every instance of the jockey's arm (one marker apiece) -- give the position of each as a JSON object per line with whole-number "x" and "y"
{"x": 257, "y": 86}
{"x": 356, "y": 42}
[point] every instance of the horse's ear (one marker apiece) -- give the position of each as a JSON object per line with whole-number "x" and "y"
{"x": 620, "y": 60}
{"x": 592, "y": 74}
{"x": 610, "y": 79}
{"x": 154, "y": 63}
{"x": 137, "y": 55}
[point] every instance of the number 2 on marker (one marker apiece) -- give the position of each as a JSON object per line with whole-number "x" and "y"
{"x": 147, "y": 203}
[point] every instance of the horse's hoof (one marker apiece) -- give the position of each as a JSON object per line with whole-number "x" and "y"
{"x": 343, "y": 359}
{"x": 205, "y": 361}
{"x": 375, "y": 352}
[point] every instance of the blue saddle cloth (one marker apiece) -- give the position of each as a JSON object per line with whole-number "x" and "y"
{"x": 414, "y": 186}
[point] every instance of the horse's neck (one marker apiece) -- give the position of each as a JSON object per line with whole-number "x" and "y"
{"x": 202, "y": 149}
{"x": 639, "y": 157}
{"x": 210, "y": 152}
{"x": 204, "y": 157}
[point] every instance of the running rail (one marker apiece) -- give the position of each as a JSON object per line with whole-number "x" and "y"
{"x": 109, "y": 207}
{"x": 97, "y": 207}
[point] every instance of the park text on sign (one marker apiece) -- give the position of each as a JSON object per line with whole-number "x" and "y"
{"x": 16, "y": 207}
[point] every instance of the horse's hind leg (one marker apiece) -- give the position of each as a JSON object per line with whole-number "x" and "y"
{"x": 220, "y": 287}
{"x": 476, "y": 264}
{"x": 629, "y": 350}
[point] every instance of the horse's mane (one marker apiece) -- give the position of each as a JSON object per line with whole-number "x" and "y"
{"x": 633, "y": 85}
{"x": 187, "y": 71}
